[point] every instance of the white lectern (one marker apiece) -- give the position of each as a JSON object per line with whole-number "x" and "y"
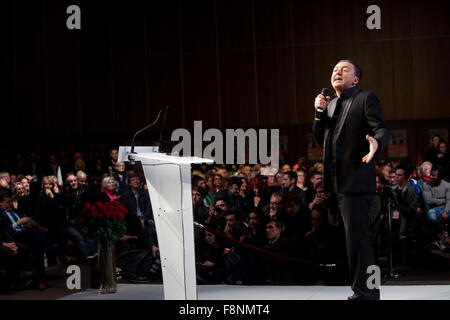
{"x": 169, "y": 185}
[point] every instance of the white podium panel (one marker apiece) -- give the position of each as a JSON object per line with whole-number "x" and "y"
{"x": 169, "y": 185}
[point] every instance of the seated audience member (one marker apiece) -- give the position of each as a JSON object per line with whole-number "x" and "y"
{"x": 289, "y": 184}
{"x": 76, "y": 229}
{"x": 254, "y": 232}
{"x": 233, "y": 227}
{"x": 19, "y": 194}
{"x": 109, "y": 186}
{"x": 79, "y": 192}
{"x": 234, "y": 200}
{"x": 219, "y": 183}
{"x": 278, "y": 270}
{"x": 200, "y": 211}
{"x": 216, "y": 213}
{"x": 321, "y": 198}
{"x": 24, "y": 230}
{"x": 200, "y": 182}
{"x": 211, "y": 267}
{"x": 257, "y": 193}
{"x": 436, "y": 194}
{"x": 443, "y": 159}
{"x": 425, "y": 173}
{"x": 120, "y": 176}
{"x": 315, "y": 179}
{"x": 324, "y": 244}
{"x": 286, "y": 168}
{"x": 431, "y": 154}
{"x": 274, "y": 211}
{"x": 296, "y": 220}
{"x": 138, "y": 200}
{"x": 301, "y": 179}
{"x": 13, "y": 258}
{"x": 406, "y": 202}
{"x": 81, "y": 178}
{"x": 251, "y": 260}
{"x": 5, "y": 180}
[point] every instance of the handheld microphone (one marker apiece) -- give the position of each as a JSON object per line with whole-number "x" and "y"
{"x": 325, "y": 93}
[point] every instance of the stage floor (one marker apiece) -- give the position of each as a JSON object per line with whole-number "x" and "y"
{"x": 235, "y": 292}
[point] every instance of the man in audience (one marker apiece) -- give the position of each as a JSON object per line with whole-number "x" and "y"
{"x": 436, "y": 194}
{"x": 289, "y": 184}
{"x": 405, "y": 203}
{"x": 138, "y": 200}
{"x": 316, "y": 178}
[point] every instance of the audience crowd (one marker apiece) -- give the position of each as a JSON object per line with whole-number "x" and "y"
{"x": 253, "y": 224}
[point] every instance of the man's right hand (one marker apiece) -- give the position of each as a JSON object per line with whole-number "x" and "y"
{"x": 11, "y": 245}
{"x": 321, "y": 101}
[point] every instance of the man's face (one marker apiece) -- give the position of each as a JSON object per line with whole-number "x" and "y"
{"x": 435, "y": 176}
{"x": 6, "y": 204}
{"x": 426, "y": 171}
{"x": 246, "y": 170}
{"x": 81, "y": 179}
{"x": 114, "y": 154}
{"x": 399, "y": 177}
{"x": 234, "y": 189}
{"x": 231, "y": 221}
{"x": 222, "y": 205}
{"x": 73, "y": 181}
{"x": 436, "y": 141}
{"x": 316, "y": 219}
{"x": 379, "y": 185}
{"x": 316, "y": 180}
{"x": 135, "y": 182}
{"x": 286, "y": 168}
{"x": 292, "y": 208}
{"x": 275, "y": 203}
{"x": 286, "y": 181}
{"x": 272, "y": 232}
{"x": 343, "y": 76}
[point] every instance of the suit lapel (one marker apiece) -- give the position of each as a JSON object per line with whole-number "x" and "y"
{"x": 346, "y": 107}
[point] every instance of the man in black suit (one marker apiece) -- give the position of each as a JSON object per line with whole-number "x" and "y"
{"x": 352, "y": 129}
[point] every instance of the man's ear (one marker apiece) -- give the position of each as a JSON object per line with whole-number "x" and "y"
{"x": 356, "y": 81}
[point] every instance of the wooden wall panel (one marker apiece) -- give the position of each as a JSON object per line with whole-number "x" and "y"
{"x": 201, "y": 95}
{"x": 276, "y": 91}
{"x": 237, "y": 63}
{"x": 238, "y": 89}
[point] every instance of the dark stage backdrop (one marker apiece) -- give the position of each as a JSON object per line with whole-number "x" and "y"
{"x": 229, "y": 63}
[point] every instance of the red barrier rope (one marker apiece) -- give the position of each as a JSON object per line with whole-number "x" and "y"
{"x": 274, "y": 254}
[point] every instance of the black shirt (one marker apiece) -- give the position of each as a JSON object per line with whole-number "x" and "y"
{"x": 330, "y": 153}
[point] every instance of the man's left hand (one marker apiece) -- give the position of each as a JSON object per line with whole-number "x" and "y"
{"x": 373, "y": 148}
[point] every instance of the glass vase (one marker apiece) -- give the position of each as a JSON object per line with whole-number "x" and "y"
{"x": 107, "y": 266}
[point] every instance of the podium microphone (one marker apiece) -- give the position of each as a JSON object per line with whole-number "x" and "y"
{"x": 143, "y": 129}
{"x": 161, "y": 147}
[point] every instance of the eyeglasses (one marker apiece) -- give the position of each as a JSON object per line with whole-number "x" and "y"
{"x": 196, "y": 194}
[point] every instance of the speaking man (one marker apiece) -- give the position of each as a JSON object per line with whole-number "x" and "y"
{"x": 351, "y": 127}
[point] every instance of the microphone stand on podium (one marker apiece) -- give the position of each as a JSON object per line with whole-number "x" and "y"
{"x": 168, "y": 179}
{"x": 391, "y": 273}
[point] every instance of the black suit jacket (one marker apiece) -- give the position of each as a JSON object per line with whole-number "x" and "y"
{"x": 361, "y": 116}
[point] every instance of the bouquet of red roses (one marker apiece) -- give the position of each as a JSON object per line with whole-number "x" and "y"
{"x": 105, "y": 220}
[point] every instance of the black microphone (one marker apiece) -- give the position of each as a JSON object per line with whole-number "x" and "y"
{"x": 325, "y": 93}
{"x": 161, "y": 146}
{"x": 143, "y": 129}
